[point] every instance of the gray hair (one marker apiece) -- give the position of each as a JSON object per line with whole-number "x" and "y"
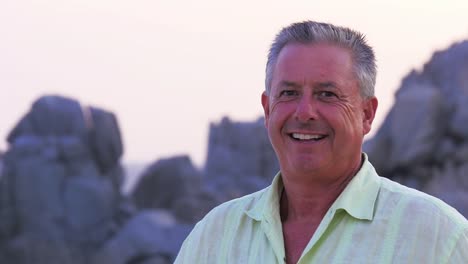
{"x": 309, "y": 32}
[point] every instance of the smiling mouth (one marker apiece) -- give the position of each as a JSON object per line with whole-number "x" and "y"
{"x": 306, "y": 137}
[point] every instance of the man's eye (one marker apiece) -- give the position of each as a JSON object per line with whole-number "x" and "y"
{"x": 288, "y": 93}
{"x": 326, "y": 94}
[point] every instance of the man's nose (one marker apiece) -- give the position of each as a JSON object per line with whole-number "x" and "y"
{"x": 306, "y": 109}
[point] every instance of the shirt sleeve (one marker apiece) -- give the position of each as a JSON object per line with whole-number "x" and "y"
{"x": 460, "y": 251}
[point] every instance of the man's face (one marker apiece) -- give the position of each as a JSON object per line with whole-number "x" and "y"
{"x": 315, "y": 116}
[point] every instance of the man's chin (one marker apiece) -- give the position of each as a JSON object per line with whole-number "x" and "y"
{"x": 306, "y": 165}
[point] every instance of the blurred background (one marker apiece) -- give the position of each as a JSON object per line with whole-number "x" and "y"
{"x": 169, "y": 68}
{"x": 121, "y": 120}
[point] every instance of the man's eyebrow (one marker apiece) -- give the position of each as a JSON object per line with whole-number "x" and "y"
{"x": 332, "y": 85}
{"x": 286, "y": 84}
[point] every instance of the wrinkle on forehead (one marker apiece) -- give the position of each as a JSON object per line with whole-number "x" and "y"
{"x": 290, "y": 65}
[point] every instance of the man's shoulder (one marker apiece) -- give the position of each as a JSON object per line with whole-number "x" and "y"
{"x": 418, "y": 203}
{"x": 221, "y": 220}
{"x": 236, "y": 207}
{"x": 228, "y": 224}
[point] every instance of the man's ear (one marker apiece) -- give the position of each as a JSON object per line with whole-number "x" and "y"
{"x": 369, "y": 110}
{"x": 266, "y": 107}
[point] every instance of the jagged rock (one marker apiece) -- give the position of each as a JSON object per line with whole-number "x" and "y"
{"x": 446, "y": 149}
{"x": 451, "y": 185}
{"x": 407, "y": 136}
{"x": 90, "y": 205}
{"x": 240, "y": 161}
{"x": 31, "y": 189}
{"x": 459, "y": 121}
{"x": 423, "y": 142}
{"x": 165, "y": 181}
{"x": 60, "y": 185}
{"x": 191, "y": 209}
{"x": 51, "y": 116}
{"x": 461, "y": 153}
{"x": 150, "y": 237}
{"x": 29, "y": 248}
{"x": 176, "y": 185}
{"x": 413, "y": 128}
{"x": 238, "y": 151}
{"x": 379, "y": 147}
{"x": 448, "y": 71}
{"x": 105, "y": 140}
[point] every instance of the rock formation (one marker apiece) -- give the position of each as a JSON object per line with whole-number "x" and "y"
{"x": 240, "y": 157}
{"x": 423, "y": 142}
{"x": 240, "y": 161}
{"x": 60, "y": 199}
{"x": 175, "y": 185}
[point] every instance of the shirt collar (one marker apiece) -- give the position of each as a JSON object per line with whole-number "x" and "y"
{"x": 268, "y": 204}
{"x": 357, "y": 199}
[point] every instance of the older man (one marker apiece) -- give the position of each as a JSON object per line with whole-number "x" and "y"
{"x": 327, "y": 204}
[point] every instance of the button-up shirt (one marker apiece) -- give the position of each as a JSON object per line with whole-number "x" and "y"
{"x": 374, "y": 220}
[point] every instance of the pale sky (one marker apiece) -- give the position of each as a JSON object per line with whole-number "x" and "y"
{"x": 169, "y": 68}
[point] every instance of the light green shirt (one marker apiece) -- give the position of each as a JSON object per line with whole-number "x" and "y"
{"x": 374, "y": 220}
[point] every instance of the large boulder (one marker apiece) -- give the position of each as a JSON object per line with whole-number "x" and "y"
{"x": 415, "y": 128}
{"x": 240, "y": 160}
{"x": 60, "y": 184}
{"x": 164, "y": 181}
{"x": 240, "y": 156}
{"x": 423, "y": 141}
{"x": 152, "y": 236}
{"x": 104, "y": 138}
{"x": 51, "y": 116}
{"x": 174, "y": 184}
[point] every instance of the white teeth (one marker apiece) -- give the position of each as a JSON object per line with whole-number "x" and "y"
{"x": 306, "y": 136}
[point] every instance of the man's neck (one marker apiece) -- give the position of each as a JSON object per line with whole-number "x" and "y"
{"x": 306, "y": 198}
{"x": 303, "y": 204}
